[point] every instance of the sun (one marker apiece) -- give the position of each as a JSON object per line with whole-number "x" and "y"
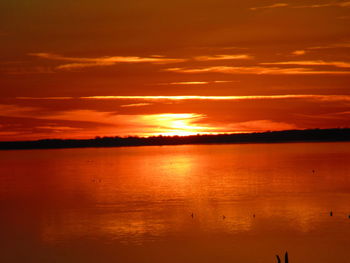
{"x": 174, "y": 124}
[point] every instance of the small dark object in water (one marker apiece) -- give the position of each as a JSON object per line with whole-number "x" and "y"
{"x": 286, "y": 260}
{"x": 331, "y": 213}
{"x": 254, "y": 215}
{"x": 286, "y": 257}
{"x": 349, "y": 216}
{"x": 223, "y": 217}
{"x": 192, "y": 215}
{"x": 313, "y": 171}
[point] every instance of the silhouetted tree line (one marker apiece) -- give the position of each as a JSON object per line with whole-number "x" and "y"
{"x": 314, "y": 135}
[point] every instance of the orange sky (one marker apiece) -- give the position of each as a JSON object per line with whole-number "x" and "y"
{"x": 79, "y": 69}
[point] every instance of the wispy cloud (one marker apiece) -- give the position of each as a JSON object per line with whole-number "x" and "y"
{"x": 330, "y": 4}
{"x": 279, "y": 5}
{"x": 197, "y": 82}
{"x": 58, "y": 128}
{"x": 299, "y": 52}
{"x": 188, "y": 83}
{"x": 136, "y": 124}
{"x": 256, "y": 70}
{"x": 224, "y": 57}
{"x": 260, "y": 126}
{"x": 338, "y": 64}
{"x": 345, "y": 44}
{"x": 77, "y": 62}
{"x": 143, "y": 124}
{"x": 10, "y": 133}
{"x": 107, "y": 123}
{"x": 218, "y": 98}
{"x": 135, "y": 105}
{"x": 176, "y": 124}
{"x": 16, "y": 111}
{"x": 44, "y": 98}
{"x": 225, "y": 81}
{"x": 343, "y": 115}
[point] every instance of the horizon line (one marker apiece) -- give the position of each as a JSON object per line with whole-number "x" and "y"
{"x": 182, "y": 136}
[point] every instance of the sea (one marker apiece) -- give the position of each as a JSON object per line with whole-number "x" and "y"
{"x": 243, "y": 203}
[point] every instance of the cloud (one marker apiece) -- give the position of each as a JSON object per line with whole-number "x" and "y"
{"x": 299, "y": 52}
{"x": 258, "y": 70}
{"x": 176, "y": 124}
{"x": 143, "y": 124}
{"x": 188, "y": 83}
{"x": 103, "y": 61}
{"x": 260, "y": 126}
{"x": 279, "y": 5}
{"x": 223, "y": 57}
{"x": 343, "y": 115}
{"x": 9, "y": 133}
{"x": 44, "y": 98}
{"x": 33, "y": 112}
{"x": 103, "y": 123}
{"x": 16, "y": 111}
{"x": 57, "y": 128}
{"x": 37, "y": 123}
{"x": 197, "y": 82}
{"x": 107, "y": 123}
{"x": 218, "y": 98}
{"x": 338, "y": 64}
{"x": 333, "y": 45}
{"x": 135, "y": 105}
{"x": 225, "y": 81}
{"x": 331, "y": 4}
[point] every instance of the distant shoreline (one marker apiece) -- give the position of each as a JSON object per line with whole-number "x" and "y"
{"x": 312, "y": 135}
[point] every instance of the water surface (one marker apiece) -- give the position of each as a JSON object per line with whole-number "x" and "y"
{"x": 135, "y": 204}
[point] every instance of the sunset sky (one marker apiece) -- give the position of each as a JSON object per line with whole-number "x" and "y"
{"x": 86, "y": 68}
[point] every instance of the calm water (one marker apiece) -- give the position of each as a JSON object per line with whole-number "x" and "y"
{"x": 134, "y": 204}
